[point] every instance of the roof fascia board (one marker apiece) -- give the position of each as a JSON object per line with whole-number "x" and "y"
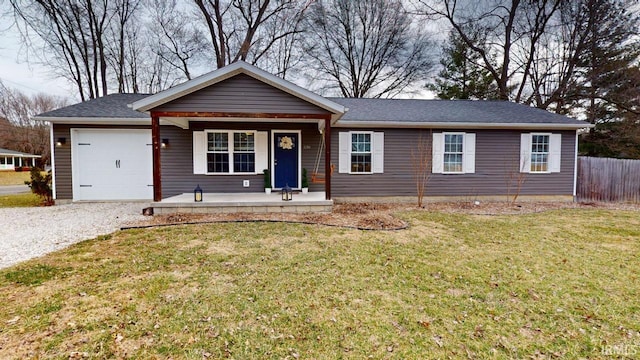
{"x": 20, "y": 155}
{"x": 101, "y": 120}
{"x": 451, "y": 125}
{"x": 227, "y": 72}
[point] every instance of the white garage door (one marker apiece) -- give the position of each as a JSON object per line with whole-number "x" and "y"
{"x": 112, "y": 164}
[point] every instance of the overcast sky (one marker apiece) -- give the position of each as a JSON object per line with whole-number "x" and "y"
{"x": 16, "y": 73}
{"x": 31, "y": 78}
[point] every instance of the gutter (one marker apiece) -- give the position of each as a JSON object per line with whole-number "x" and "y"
{"x": 458, "y": 125}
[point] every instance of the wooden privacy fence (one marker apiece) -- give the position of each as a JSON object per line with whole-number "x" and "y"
{"x": 606, "y": 179}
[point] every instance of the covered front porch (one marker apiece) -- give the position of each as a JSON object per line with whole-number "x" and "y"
{"x": 243, "y": 202}
{"x": 234, "y": 132}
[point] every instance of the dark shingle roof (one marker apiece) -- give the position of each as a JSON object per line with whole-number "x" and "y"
{"x": 360, "y": 110}
{"x": 110, "y": 106}
{"x": 449, "y": 111}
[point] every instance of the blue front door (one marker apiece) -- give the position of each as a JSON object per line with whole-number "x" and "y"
{"x": 286, "y": 146}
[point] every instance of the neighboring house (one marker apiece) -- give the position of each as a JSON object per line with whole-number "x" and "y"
{"x": 227, "y": 126}
{"x": 10, "y": 159}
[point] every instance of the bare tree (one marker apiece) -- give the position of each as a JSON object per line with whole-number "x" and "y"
{"x": 237, "y": 27}
{"x": 19, "y": 131}
{"x": 515, "y": 174}
{"x": 421, "y": 164}
{"x": 279, "y": 48}
{"x": 510, "y": 33}
{"x": 367, "y": 48}
{"x": 120, "y": 29}
{"x": 83, "y": 41}
{"x": 176, "y": 37}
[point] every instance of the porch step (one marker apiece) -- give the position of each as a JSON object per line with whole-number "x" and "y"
{"x": 246, "y": 203}
{"x": 217, "y": 209}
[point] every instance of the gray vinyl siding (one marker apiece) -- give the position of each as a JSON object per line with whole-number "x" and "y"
{"x": 62, "y": 158}
{"x": 177, "y": 159}
{"x": 63, "y": 172}
{"x": 497, "y": 156}
{"x": 241, "y": 94}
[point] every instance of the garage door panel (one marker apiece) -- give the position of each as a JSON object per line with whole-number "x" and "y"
{"x": 113, "y": 165}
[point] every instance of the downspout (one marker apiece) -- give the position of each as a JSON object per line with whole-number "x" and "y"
{"x": 52, "y": 144}
{"x": 575, "y": 170}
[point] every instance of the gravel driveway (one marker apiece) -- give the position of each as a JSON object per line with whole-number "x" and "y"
{"x": 26, "y": 233}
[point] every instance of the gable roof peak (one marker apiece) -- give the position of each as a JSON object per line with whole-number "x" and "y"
{"x": 229, "y": 71}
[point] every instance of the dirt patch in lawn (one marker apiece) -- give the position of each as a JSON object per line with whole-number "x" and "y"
{"x": 382, "y": 216}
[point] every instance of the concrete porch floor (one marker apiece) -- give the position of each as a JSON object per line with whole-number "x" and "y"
{"x": 243, "y": 202}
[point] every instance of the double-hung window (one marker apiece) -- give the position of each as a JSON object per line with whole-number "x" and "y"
{"x": 230, "y": 152}
{"x": 539, "y": 153}
{"x": 361, "y": 152}
{"x": 453, "y": 152}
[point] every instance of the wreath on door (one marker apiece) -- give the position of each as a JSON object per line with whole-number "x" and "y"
{"x": 286, "y": 143}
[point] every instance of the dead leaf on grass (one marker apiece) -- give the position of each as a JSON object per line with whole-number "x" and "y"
{"x": 14, "y": 320}
{"x": 455, "y": 292}
{"x": 438, "y": 340}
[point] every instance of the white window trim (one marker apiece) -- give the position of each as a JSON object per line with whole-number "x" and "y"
{"x": 444, "y": 146}
{"x": 468, "y": 153}
{"x": 230, "y": 151}
{"x": 371, "y": 145}
{"x": 531, "y": 171}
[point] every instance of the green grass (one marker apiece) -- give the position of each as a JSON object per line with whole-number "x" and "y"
{"x": 14, "y": 177}
{"x": 561, "y": 284}
{"x": 20, "y": 200}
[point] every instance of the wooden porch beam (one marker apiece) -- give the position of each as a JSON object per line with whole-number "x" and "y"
{"x": 197, "y": 114}
{"x": 327, "y": 157}
{"x": 155, "y": 139}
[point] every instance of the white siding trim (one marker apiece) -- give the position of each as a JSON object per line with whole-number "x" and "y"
{"x": 377, "y": 153}
{"x": 53, "y": 160}
{"x": 199, "y": 153}
{"x": 555, "y": 152}
{"x": 344, "y": 160}
{"x": 437, "y": 153}
{"x": 525, "y": 152}
{"x": 469, "y": 153}
{"x": 262, "y": 151}
{"x": 575, "y": 168}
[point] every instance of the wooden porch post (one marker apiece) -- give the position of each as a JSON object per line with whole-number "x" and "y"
{"x": 327, "y": 157}
{"x": 155, "y": 139}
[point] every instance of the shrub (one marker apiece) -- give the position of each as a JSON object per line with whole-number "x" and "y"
{"x": 305, "y": 180}
{"x": 41, "y": 185}
{"x": 267, "y": 179}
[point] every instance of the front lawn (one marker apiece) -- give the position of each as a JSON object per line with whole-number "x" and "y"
{"x": 558, "y": 284}
{"x": 14, "y": 177}
{"x": 20, "y": 200}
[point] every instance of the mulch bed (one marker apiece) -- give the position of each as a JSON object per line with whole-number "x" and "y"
{"x": 377, "y": 216}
